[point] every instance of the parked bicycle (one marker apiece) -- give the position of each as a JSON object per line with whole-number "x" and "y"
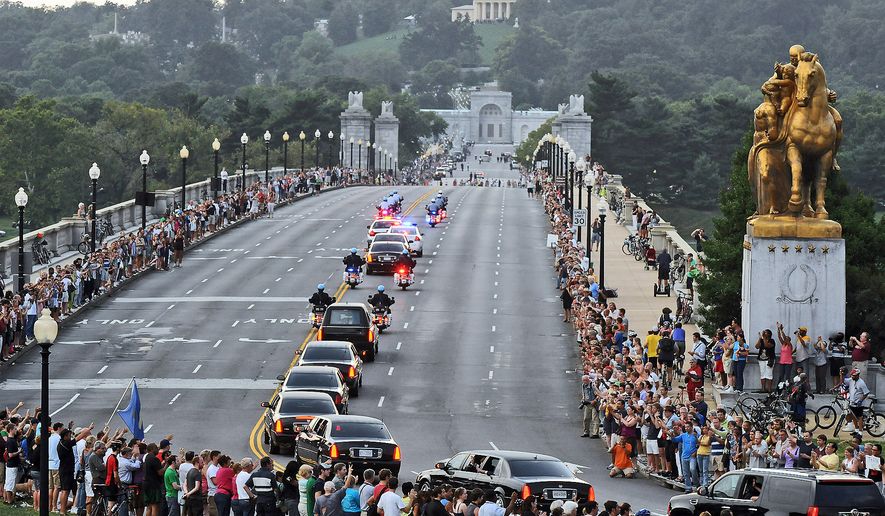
{"x": 40, "y": 250}
{"x": 827, "y": 416}
{"x": 677, "y": 269}
{"x": 636, "y": 246}
{"x": 684, "y": 309}
{"x": 103, "y": 229}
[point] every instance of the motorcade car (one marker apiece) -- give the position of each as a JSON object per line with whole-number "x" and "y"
{"x": 351, "y": 322}
{"x": 361, "y": 441}
{"x": 783, "y": 492}
{"x": 288, "y": 412}
{"x": 380, "y": 226}
{"x": 416, "y": 245}
{"x": 508, "y": 472}
{"x": 341, "y": 355}
{"x": 325, "y": 379}
{"x": 382, "y": 256}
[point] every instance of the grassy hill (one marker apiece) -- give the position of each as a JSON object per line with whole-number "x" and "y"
{"x": 491, "y": 34}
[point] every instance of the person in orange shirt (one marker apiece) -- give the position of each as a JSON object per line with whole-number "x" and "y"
{"x": 623, "y": 465}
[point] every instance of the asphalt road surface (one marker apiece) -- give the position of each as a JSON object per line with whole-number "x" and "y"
{"x": 477, "y": 356}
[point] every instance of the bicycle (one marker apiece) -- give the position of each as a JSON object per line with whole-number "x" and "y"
{"x": 99, "y": 503}
{"x": 630, "y": 245}
{"x": 677, "y": 269}
{"x": 826, "y": 416}
{"x": 684, "y": 309}
{"x": 40, "y": 251}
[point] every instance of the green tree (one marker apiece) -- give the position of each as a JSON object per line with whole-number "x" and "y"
{"x": 529, "y": 52}
{"x": 219, "y": 65}
{"x": 433, "y": 82}
{"x": 378, "y": 17}
{"x": 343, "y": 23}
{"x": 437, "y": 38}
{"x": 720, "y": 288}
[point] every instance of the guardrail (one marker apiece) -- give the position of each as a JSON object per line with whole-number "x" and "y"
{"x": 64, "y": 236}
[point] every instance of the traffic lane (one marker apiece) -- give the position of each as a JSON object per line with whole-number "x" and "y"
{"x": 524, "y": 234}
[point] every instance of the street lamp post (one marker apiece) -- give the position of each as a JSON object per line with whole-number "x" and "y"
{"x": 45, "y": 331}
{"x": 216, "y": 146}
{"x": 316, "y": 138}
{"x": 603, "y": 209}
{"x": 266, "y": 157}
{"x": 351, "y": 152}
{"x": 331, "y": 144}
{"x": 244, "y": 140}
{"x": 183, "y": 154}
{"x": 145, "y": 159}
{"x": 572, "y": 157}
{"x": 581, "y": 166}
{"x": 285, "y": 153}
{"x": 359, "y": 154}
{"x": 94, "y": 174}
{"x": 302, "y": 136}
{"x": 21, "y": 200}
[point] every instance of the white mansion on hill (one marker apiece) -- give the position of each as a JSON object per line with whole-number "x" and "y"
{"x": 480, "y": 10}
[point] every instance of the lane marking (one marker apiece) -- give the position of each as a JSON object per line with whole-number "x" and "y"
{"x": 418, "y": 293}
{"x": 266, "y": 291}
{"x": 197, "y": 368}
{"x": 66, "y": 405}
{"x": 278, "y": 279}
{"x": 290, "y": 269}
{"x": 493, "y": 328}
{"x": 205, "y": 280}
{"x": 217, "y": 343}
{"x": 148, "y": 325}
{"x": 148, "y": 428}
{"x": 103, "y": 369}
{"x": 426, "y": 271}
{"x": 188, "y": 292}
{"x": 406, "y": 325}
{"x": 219, "y": 270}
{"x": 495, "y": 296}
{"x": 398, "y": 345}
{"x": 493, "y": 445}
{"x": 491, "y": 349}
{"x": 171, "y": 306}
{"x": 381, "y": 401}
{"x": 491, "y": 374}
{"x": 175, "y": 398}
{"x": 412, "y": 308}
{"x": 494, "y": 311}
{"x": 258, "y": 244}
{"x": 233, "y": 261}
{"x": 251, "y": 306}
{"x": 390, "y": 371}
{"x": 234, "y": 325}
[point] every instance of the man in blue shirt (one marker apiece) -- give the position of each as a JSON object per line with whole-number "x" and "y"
{"x": 678, "y": 337}
{"x": 689, "y": 441}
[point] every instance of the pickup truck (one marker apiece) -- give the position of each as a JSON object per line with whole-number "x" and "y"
{"x": 351, "y": 322}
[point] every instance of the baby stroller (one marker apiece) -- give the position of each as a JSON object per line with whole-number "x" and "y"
{"x": 651, "y": 258}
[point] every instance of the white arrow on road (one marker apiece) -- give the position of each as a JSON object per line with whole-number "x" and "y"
{"x": 263, "y": 341}
{"x": 182, "y": 339}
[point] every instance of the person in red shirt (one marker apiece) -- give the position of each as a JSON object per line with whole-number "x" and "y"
{"x": 694, "y": 378}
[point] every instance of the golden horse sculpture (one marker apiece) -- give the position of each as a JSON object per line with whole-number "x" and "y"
{"x": 797, "y": 135}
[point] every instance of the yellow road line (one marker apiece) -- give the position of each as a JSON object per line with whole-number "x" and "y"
{"x": 256, "y": 444}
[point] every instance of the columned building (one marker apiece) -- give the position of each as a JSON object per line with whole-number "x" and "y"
{"x": 482, "y": 10}
{"x": 490, "y": 118}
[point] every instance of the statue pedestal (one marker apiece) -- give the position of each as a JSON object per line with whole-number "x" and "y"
{"x": 797, "y": 281}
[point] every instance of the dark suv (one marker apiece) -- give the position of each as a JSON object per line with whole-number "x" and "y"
{"x": 783, "y": 492}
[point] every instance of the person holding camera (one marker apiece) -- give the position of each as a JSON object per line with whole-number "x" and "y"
{"x": 621, "y": 461}
{"x": 589, "y": 404}
{"x": 861, "y": 351}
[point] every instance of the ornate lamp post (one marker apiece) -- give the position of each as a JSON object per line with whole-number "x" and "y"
{"x": 266, "y": 157}
{"x": 572, "y": 157}
{"x": 21, "y": 200}
{"x": 331, "y": 144}
{"x": 316, "y": 139}
{"x": 302, "y": 136}
{"x": 603, "y": 209}
{"x": 581, "y": 166}
{"x": 94, "y": 174}
{"x": 244, "y": 140}
{"x": 359, "y": 154}
{"x": 285, "y": 153}
{"x": 216, "y": 146}
{"x": 45, "y": 331}
{"x": 183, "y": 154}
{"x": 341, "y": 149}
{"x": 145, "y": 159}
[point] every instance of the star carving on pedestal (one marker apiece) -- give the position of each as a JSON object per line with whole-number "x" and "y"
{"x": 771, "y": 248}
{"x": 798, "y": 248}
{"x": 785, "y": 248}
{"x": 811, "y": 248}
{"x": 825, "y": 249}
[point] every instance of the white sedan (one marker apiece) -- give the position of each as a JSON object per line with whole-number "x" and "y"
{"x": 416, "y": 246}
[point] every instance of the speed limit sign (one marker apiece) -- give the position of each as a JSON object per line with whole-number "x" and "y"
{"x": 579, "y": 217}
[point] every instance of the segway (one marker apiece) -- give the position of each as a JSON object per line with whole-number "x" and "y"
{"x": 663, "y": 292}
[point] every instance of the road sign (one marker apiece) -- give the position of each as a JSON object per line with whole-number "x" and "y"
{"x": 579, "y": 217}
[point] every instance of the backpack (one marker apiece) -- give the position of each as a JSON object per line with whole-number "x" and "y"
{"x": 372, "y": 504}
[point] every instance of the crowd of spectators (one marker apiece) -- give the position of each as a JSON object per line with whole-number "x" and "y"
{"x": 650, "y": 410}
{"x": 65, "y": 285}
